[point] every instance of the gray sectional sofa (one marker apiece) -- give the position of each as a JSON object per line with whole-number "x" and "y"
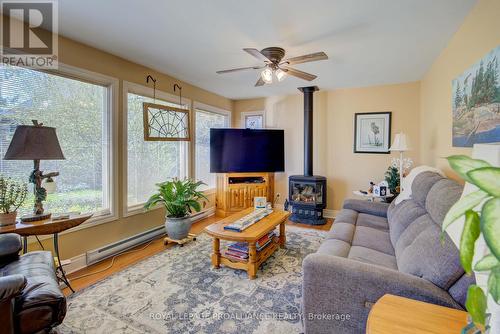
{"x": 376, "y": 248}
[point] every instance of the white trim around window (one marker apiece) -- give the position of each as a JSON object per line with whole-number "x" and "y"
{"x": 110, "y": 192}
{"x": 130, "y": 87}
{"x": 244, "y": 114}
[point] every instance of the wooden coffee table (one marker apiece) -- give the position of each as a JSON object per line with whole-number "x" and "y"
{"x": 251, "y": 235}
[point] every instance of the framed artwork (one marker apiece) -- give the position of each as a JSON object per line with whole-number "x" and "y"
{"x": 476, "y": 102}
{"x": 372, "y": 132}
{"x": 164, "y": 123}
{"x": 253, "y": 120}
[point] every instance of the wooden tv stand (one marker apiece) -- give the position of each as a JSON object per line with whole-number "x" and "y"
{"x": 235, "y": 191}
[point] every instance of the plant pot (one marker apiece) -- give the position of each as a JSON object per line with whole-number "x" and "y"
{"x": 8, "y": 218}
{"x": 178, "y": 228}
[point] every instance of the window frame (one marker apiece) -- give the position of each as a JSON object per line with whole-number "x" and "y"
{"x": 244, "y": 115}
{"x": 133, "y": 88}
{"x": 111, "y": 123}
{"x": 210, "y": 109}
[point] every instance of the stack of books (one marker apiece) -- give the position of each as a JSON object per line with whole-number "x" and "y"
{"x": 238, "y": 251}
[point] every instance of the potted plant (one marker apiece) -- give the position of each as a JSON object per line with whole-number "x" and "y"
{"x": 179, "y": 198}
{"x": 392, "y": 178}
{"x": 484, "y": 221}
{"x": 12, "y": 196}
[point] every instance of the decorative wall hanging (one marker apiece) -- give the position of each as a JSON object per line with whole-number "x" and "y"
{"x": 165, "y": 123}
{"x": 476, "y": 102}
{"x": 372, "y": 132}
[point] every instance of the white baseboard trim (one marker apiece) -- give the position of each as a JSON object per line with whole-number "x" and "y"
{"x": 79, "y": 262}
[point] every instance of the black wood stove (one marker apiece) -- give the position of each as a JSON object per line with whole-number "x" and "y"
{"x": 307, "y": 193}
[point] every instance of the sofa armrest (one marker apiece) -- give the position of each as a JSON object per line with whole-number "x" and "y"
{"x": 372, "y": 208}
{"x": 11, "y": 286}
{"x": 10, "y": 245}
{"x": 338, "y": 292}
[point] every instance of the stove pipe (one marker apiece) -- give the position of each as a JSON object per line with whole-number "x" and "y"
{"x": 308, "y": 128}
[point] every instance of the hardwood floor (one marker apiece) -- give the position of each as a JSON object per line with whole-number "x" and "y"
{"x": 141, "y": 252}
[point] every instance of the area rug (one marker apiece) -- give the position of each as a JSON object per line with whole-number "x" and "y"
{"x": 177, "y": 291}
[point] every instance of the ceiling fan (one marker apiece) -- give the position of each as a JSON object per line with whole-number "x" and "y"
{"x": 275, "y": 66}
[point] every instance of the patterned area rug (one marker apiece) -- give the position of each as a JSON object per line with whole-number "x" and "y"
{"x": 177, "y": 291}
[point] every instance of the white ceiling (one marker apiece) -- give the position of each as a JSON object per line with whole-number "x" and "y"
{"x": 369, "y": 42}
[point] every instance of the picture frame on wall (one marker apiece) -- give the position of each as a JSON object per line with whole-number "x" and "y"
{"x": 372, "y": 132}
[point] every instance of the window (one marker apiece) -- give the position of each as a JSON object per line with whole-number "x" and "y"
{"x": 204, "y": 121}
{"x": 149, "y": 162}
{"x": 81, "y": 112}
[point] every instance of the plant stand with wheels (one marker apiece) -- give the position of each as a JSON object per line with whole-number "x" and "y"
{"x": 181, "y": 242}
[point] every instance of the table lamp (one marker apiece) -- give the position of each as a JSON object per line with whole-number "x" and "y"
{"x": 400, "y": 144}
{"x": 36, "y": 142}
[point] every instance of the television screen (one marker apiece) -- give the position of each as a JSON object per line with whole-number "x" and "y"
{"x": 245, "y": 150}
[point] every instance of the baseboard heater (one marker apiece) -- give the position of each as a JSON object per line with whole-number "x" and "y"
{"x": 121, "y": 246}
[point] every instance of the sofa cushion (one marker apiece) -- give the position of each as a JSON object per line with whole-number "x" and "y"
{"x": 42, "y": 287}
{"x": 410, "y": 234}
{"x": 377, "y": 222}
{"x": 334, "y": 247}
{"x": 401, "y": 216}
{"x": 441, "y": 197}
{"x": 342, "y": 231}
{"x": 459, "y": 289}
{"x": 346, "y": 216}
{"x": 373, "y": 238}
{"x": 372, "y": 256}
{"x": 422, "y": 185}
{"x": 430, "y": 259}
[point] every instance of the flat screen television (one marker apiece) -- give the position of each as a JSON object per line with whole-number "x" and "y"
{"x": 245, "y": 150}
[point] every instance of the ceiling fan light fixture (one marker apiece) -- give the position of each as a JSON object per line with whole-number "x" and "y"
{"x": 267, "y": 75}
{"x": 280, "y": 74}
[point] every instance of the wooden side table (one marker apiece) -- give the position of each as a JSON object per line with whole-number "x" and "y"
{"x": 45, "y": 227}
{"x": 394, "y": 314}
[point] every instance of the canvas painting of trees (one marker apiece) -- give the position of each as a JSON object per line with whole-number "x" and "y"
{"x": 476, "y": 103}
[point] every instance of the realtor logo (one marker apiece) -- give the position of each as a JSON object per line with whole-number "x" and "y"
{"x": 29, "y": 33}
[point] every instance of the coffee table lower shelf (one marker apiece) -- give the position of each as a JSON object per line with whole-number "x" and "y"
{"x": 252, "y": 264}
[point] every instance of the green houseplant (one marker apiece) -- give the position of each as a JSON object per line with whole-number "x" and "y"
{"x": 485, "y": 221}
{"x": 12, "y": 196}
{"x": 179, "y": 198}
{"x": 392, "y": 179}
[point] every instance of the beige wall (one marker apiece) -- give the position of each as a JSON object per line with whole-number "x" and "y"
{"x": 334, "y": 133}
{"x": 479, "y": 34}
{"x": 88, "y": 58}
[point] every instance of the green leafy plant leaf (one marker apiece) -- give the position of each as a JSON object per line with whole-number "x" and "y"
{"x": 462, "y": 164}
{"x": 470, "y": 233}
{"x": 487, "y": 263}
{"x": 476, "y": 304}
{"x": 490, "y": 225}
{"x": 178, "y": 196}
{"x": 468, "y": 202}
{"x": 494, "y": 284}
{"x": 487, "y": 179}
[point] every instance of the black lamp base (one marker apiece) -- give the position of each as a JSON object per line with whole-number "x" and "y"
{"x": 35, "y": 217}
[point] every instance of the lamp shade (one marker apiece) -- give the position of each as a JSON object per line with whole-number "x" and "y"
{"x": 400, "y": 143}
{"x": 34, "y": 143}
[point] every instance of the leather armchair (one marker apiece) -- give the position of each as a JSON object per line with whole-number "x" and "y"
{"x": 30, "y": 298}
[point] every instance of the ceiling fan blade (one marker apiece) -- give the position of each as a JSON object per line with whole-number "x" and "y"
{"x": 260, "y": 82}
{"x": 306, "y": 58}
{"x": 299, "y": 74}
{"x": 239, "y": 69}
{"x": 256, "y": 53}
